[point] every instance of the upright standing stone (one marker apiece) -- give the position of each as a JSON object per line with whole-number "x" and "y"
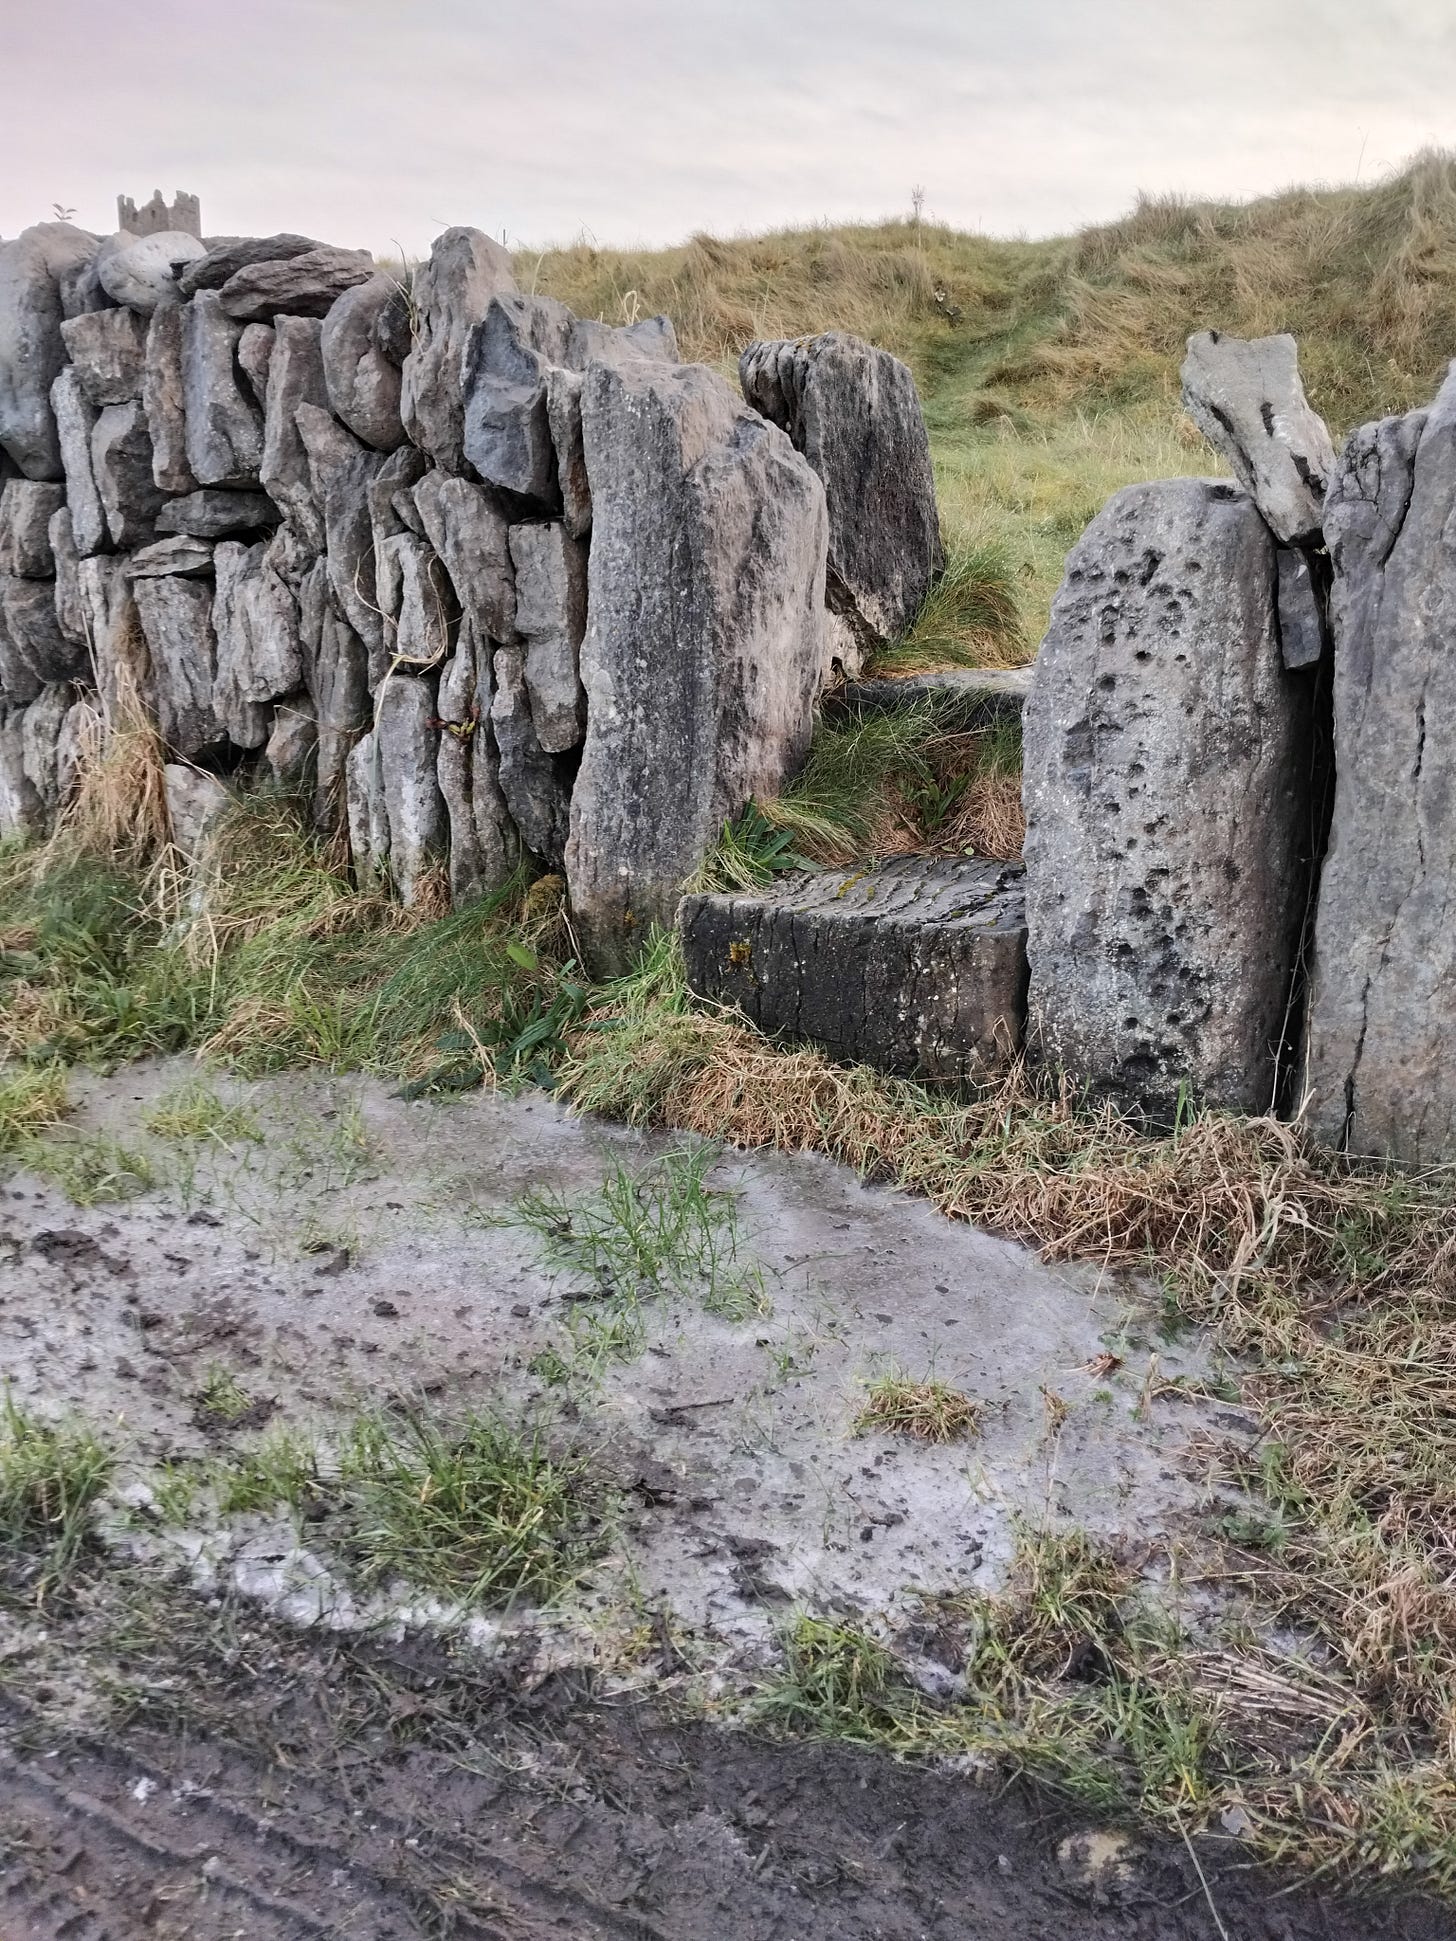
{"x": 75, "y": 419}
{"x": 118, "y": 645}
{"x": 855, "y": 414}
{"x": 224, "y": 424}
{"x": 452, "y": 293}
{"x": 121, "y": 464}
{"x": 22, "y": 813}
{"x": 704, "y": 642}
{"x": 536, "y": 785}
{"x": 1167, "y": 795}
{"x": 70, "y": 617}
{"x": 36, "y": 643}
{"x": 407, "y": 740}
{"x": 164, "y": 395}
{"x": 342, "y": 470}
{"x": 507, "y": 431}
{"x": 551, "y": 619}
{"x": 27, "y": 507}
{"x": 335, "y": 672}
{"x": 176, "y": 618}
{"x": 259, "y": 649}
{"x": 484, "y": 843}
{"x": 1381, "y": 1039}
{"x": 466, "y": 527}
{"x": 363, "y": 381}
{"x": 1245, "y": 396}
{"x": 295, "y": 377}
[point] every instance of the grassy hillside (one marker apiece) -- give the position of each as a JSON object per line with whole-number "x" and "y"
{"x": 1049, "y": 369}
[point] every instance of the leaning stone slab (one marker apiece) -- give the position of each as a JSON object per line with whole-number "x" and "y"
{"x": 22, "y": 813}
{"x": 307, "y": 285}
{"x": 452, "y": 293}
{"x": 40, "y": 740}
{"x": 1300, "y": 602}
{"x": 176, "y": 618}
{"x": 226, "y": 256}
{"x": 33, "y": 270}
{"x": 69, "y": 615}
{"x": 335, "y": 672}
{"x": 917, "y": 966}
{"x": 1166, "y": 787}
{"x": 855, "y": 414}
{"x": 33, "y": 628}
{"x": 464, "y": 524}
{"x": 190, "y": 558}
{"x": 109, "y": 351}
{"x": 422, "y": 619}
{"x": 592, "y": 343}
{"x": 213, "y": 512}
{"x": 1245, "y": 396}
{"x": 27, "y": 507}
{"x": 704, "y": 642}
{"x": 1381, "y": 1039}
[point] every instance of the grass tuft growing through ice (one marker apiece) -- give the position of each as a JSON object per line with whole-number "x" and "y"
{"x": 51, "y": 1474}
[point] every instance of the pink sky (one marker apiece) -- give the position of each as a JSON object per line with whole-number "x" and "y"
{"x": 375, "y": 122}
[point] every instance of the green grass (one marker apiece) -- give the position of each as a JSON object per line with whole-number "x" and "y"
{"x": 90, "y": 1168}
{"x": 33, "y": 1101}
{"x": 194, "y": 1111}
{"x": 643, "y": 1235}
{"x": 928, "y": 1410}
{"x": 971, "y": 617}
{"x": 51, "y": 1474}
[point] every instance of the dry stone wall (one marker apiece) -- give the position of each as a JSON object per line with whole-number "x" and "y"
{"x": 493, "y": 584}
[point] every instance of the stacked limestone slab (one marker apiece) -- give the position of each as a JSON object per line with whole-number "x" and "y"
{"x": 492, "y": 583}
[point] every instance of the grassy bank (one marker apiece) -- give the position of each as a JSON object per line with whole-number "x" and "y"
{"x": 1049, "y": 369}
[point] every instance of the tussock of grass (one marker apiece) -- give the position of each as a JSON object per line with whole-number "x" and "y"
{"x": 929, "y": 1410}
{"x": 32, "y": 1101}
{"x": 51, "y": 1474}
{"x": 89, "y": 1167}
{"x": 194, "y": 1110}
{"x": 970, "y": 618}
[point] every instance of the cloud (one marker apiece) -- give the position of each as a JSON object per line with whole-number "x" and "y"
{"x": 377, "y": 121}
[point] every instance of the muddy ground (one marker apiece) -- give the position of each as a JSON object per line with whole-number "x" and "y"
{"x": 257, "y": 1749}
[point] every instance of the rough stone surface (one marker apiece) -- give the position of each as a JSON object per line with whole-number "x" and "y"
{"x": 979, "y": 695}
{"x": 563, "y": 415}
{"x": 917, "y": 966}
{"x": 363, "y": 381}
{"x": 306, "y": 285}
{"x": 466, "y": 527}
{"x": 216, "y": 513}
{"x": 164, "y": 398}
{"x": 1300, "y": 604}
{"x": 224, "y": 424}
{"x": 295, "y": 377}
{"x": 591, "y": 342}
{"x": 118, "y": 645}
{"x": 1246, "y": 397}
{"x": 141, "y": 271}
{"x": 195, "y": 801}
{"x": 704, "y": 643}
{"x": 75, "y": 419}
{"x": 392, "y": 513}
{"x": 69, "y": 615}
{"x": 550, "y": 570}
{"x": 181, "y": 554}
{"x": 407, "y": 741}
{"x": 121, "y": 464}
{"x": 40, "y": 738}
{"x": 176, "y": 618}
{"x": 27, "y": 507}
{"x": 452, "y": 293}
{"x": 1381, "y": 1040}
{"x": 855, "y": 414}
{"x": 33, "y": 628}
{"x": 226, "y": 256}
{"x": 424, "y": 616}
{"x": 1166, "y": 786}
{"x": 259, "y": 648}
{"x": 22, "y": 813}
{"x": 536, "y": 786}
{"x": 293, "y": 742}
{"x": 255, "y": 355}
{"x": 343, "y": 470}
{"x": 335, "y": 672}
{"x": 32, "y": 351}
{"x": 367, "y": 817}
{"x": 507, "y": 430}
{"x": 484, "y": 843}
{"x": 109, "y": 351}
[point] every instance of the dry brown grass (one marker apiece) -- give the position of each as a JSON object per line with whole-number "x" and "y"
{"x": 926, "y": 1411}
{"x": 118, "y": 808}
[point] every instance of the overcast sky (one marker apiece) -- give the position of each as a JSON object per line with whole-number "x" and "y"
{"x": 376, "y": 122}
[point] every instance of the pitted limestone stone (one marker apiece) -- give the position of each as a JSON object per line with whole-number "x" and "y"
{"x": 1167, "y": 794}
{"x": 343, "y": 470}
{"x": 536, "y": 785}
{"x": 408, "y": 744}
{"x": 259, "y": 649}
{"x": 916, "y": 966}
{"x": 335, "y": 672}
{"x": 464, "y": 524}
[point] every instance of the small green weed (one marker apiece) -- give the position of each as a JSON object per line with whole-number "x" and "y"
{"x": 221, "y": 1397}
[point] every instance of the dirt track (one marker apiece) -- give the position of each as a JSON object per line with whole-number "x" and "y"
{"x": 272, "y": 1787}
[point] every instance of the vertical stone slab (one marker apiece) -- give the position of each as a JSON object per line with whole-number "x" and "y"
{"x": 704, "y": 641}
{"x": 295, "y": 377}
{"x": 1167, "y": 801}
{"x": 164, "y": 400}
{"x": 452, "y": 293}
{"x": 1381, "y": 1039}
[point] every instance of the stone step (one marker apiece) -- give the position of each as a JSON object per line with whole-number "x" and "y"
{"x": 916, "y": 966}
{"x": 988, "y": 694}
